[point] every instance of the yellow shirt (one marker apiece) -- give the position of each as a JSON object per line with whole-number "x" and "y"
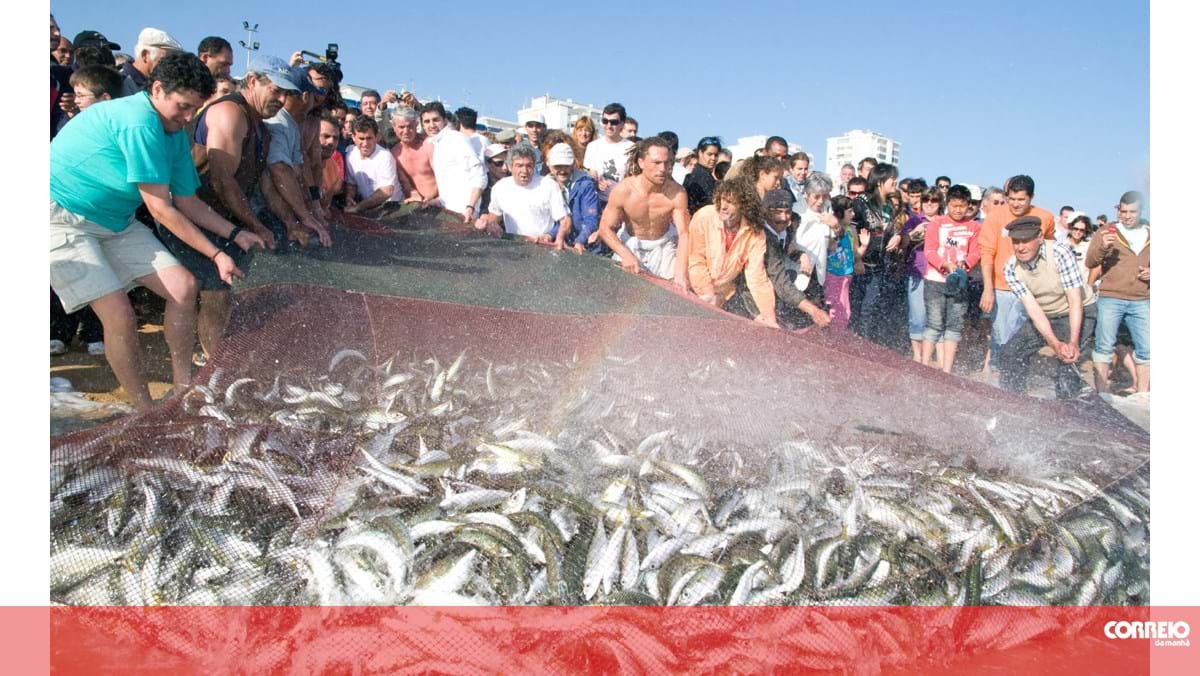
{"x": 712, "y": 270}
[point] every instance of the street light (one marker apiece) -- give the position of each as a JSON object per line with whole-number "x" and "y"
{"x": 249, "y": 44}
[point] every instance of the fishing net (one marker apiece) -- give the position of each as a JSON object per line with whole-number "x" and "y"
{"x": 420, "y": 415}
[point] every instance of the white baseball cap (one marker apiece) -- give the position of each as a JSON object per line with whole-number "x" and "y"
{"x": 560, "y": 155}
{"x": 494, "y": 150}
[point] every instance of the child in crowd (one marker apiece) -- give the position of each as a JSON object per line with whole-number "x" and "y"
{"x": 839, "y": 267}
{"x": 93, "y": 84}
{"x": 951, "y": 249}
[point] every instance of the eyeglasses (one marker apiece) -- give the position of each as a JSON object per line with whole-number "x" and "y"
{"x": 611, "y": 121}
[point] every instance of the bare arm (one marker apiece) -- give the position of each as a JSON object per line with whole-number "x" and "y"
{"x": 683, "y": 221}
{"x": 227, "y": 131}
{"x": 287, "y": 182}
{"x": 614, "y": 216}
{"x": 1040, "y": 322}
{"x": 381, "y": 195}
{"x": 157, "y": 197}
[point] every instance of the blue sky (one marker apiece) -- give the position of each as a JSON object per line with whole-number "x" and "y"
{"x": 1059, "y": 91}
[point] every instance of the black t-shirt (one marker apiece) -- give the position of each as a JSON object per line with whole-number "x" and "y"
{"x": 699, "y": 186}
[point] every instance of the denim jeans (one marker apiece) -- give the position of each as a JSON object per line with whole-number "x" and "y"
{"x": 1136, "y": 315}
{"x": 943, "y": 314}
{"x": 1013, "y": 361}
{"x": 916, "y": 308}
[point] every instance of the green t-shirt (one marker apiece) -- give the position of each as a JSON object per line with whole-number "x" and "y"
{"x": 98, "y": 159}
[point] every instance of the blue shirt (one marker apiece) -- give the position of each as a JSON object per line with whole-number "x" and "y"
{"x": 841, "y": 257}
{"x": 97, "y": 161}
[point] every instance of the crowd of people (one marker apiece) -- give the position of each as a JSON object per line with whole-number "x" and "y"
{"x": 165, "y": 172}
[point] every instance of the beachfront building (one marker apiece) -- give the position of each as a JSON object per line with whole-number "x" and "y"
{"x": 558, "y": 113}
{"x": 746, "y": 146}
{"x": 854, "y": 145}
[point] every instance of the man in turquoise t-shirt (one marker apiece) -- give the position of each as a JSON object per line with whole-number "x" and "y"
{"x": 113, "y": 157}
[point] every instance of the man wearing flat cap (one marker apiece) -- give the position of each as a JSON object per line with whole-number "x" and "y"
{"x": 797, "y": 304}
{"x": 1045, "y": 278}
{"x": 152, "y": 45}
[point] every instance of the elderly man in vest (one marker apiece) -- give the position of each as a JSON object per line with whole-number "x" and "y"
{"x": 1045, "y": 278}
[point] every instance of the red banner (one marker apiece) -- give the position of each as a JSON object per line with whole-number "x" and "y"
{"x": 865, "y": 640}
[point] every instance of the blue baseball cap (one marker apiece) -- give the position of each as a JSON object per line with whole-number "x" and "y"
{"x": 306, "y": 85}
{"x": 277, "y": 71}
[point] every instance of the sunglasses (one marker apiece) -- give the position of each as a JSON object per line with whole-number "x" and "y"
{"x": 1079, "y": 229}
{"x": 856, "y": 193}
{"x": 496, "y": 163}
{"x": 610, "y": 121}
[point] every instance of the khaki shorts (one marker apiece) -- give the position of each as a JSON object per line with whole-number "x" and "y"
{"x": 89, "y": 261}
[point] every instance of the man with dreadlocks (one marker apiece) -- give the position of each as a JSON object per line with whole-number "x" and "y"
{"x": 654, "y": 212}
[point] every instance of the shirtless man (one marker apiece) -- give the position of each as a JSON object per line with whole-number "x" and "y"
{"x": 414, "y": 157}
{"x": 654, "y": 211}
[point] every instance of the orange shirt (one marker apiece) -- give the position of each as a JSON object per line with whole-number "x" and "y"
{"x": 714, "y": 269}
{"x": 996, "y": 247}
{"x": 418, "y": 165}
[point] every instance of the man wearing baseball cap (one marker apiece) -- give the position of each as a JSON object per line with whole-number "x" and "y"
{"x": 1045, "y": 278}
{"x": 494, "y": 157}
{"x": 583, "y": 201}
{"x": 152, "y": 45}
{"x": 535, "y": 129}
{"x": 294, "y": 194}
{"x": 231, "y": 146}
{"x": 797, "y": 303}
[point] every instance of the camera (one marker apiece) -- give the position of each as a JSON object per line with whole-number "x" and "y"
{"x": 331, "y": 52}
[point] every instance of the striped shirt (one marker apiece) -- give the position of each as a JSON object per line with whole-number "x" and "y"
{"x": 1068, "y": 269}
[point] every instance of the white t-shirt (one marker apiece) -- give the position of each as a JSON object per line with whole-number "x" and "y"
{"x": 529, "y": 211}
{"x": 1136, "y": 236}
{"x": 607, "y": 160}
{"x": 371, "y": 173}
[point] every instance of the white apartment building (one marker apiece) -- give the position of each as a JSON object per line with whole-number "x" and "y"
{"x": 558, "y": 113}
{"x": 856, "y": 144}
{"x": 746, "y": 146}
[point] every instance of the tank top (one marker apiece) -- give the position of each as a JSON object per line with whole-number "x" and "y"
{"x": 251, "y": 163}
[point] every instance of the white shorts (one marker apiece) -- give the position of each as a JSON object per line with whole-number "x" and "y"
{"x": 89, "y": 261}
{"x": 657, "y": 256}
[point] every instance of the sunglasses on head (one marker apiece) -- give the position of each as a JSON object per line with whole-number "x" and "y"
{"x": 709, "y": 141}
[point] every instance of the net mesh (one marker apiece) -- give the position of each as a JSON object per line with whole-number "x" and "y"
{"x": 421, "y": 415}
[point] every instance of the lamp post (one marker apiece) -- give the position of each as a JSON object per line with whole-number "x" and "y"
{"x": 249, "y": 44}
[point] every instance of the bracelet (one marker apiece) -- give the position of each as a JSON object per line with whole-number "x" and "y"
{"x": 213, "y": 257}
{"x": 314, "y": 192}
{"x": 234, "y": 233}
